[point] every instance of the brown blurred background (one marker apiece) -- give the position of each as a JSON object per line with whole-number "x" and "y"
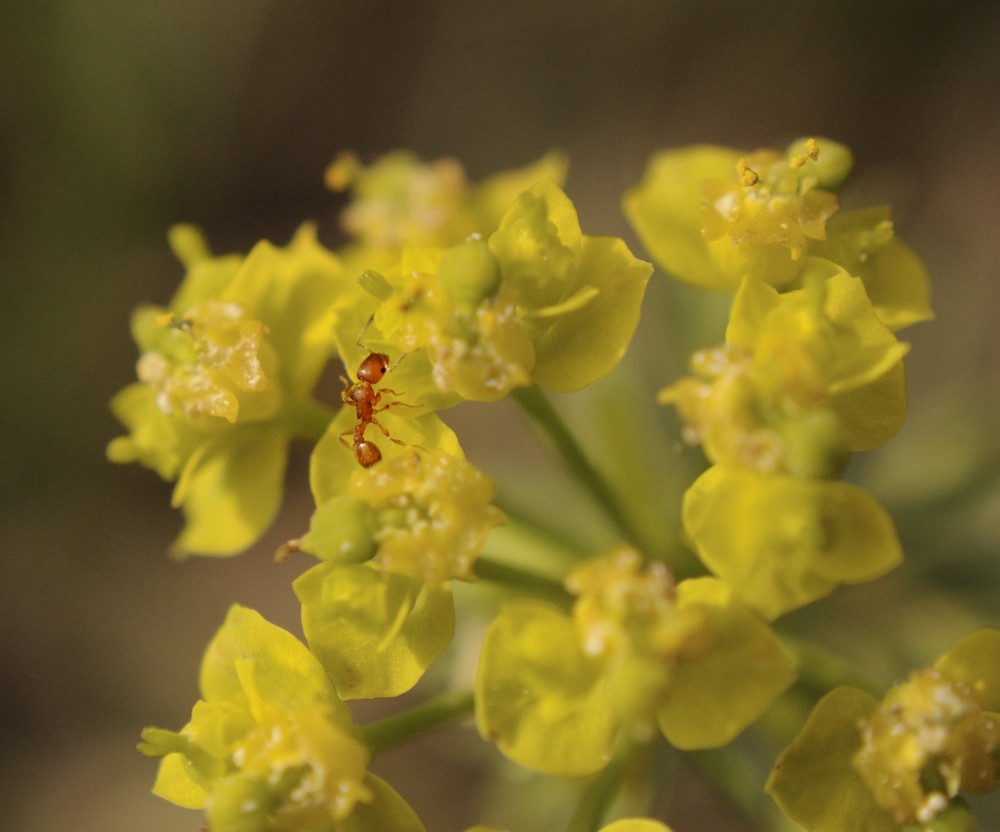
{"x": 120, "y": 117}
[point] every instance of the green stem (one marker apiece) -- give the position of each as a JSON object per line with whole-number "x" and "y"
{"x": 735, "y": 777}
{"x": 521, "y": 580}
{"x": 602, "y": 790}
{"x": 428, "y": 716}
{"x": 820, "y": 670}
{"x": 534, "y": 402}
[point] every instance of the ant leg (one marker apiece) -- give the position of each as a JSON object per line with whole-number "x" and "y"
{"x": 392, "y": 438}
{"x": 364, "y": 329}
{"x": 387, "y": 405}
{"x": 344, "y": 394}
{"x": 390, "y": 390}
{"x": 385, "y": 430}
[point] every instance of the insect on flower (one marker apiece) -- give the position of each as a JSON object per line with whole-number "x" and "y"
{"x": 366, "y": 400}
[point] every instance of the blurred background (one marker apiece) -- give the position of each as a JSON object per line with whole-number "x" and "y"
{"x": 119, "y": 118}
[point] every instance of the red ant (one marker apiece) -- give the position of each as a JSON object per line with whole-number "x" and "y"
{"x": 365, "y": 398}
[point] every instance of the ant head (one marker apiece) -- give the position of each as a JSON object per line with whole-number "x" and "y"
{"x": 373, "y": 367}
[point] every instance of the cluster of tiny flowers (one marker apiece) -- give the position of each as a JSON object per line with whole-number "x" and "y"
{"x": 900, "y": 763}
{"x": 481, "y": 289}
{"x": 808, "y": 373}
{"x": 444, "y": 292}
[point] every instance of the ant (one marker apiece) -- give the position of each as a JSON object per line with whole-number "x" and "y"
{"x": 365, "y": 398}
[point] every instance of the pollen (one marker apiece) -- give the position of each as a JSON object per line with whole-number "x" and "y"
{"x": 799, "y": 159}
{"x": 747, "y": 175}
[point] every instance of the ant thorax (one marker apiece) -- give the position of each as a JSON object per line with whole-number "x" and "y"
{"x": 366, "y": 400}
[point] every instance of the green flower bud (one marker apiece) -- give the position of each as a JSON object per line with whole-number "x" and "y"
{"x": 342, "y": 530}
{"x": 469, "y": 273}
{"x": 375, "y": 284}
{"x": 829, "y": 161}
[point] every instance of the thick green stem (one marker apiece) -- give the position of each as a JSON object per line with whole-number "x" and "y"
{"x": 422, "y": 719}
{"x": 534, "y": 402}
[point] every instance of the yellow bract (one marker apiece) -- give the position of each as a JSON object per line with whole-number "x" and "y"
{"x": 638, "y": 653}
{"x": 269, "y": 746}
{"x": 712, "y": 216}
{"x": 226, "y": 374}
{"x": 536, "y": 301}
{"x": 863, "y": 764}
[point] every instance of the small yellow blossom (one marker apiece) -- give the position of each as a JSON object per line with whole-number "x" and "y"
{"x": 207, "y": 356}
{"x": 929, "y": 739}
{"x": 434, "y": 513}
{"x": 637, "y": 654}
{"x": 790, "y": 391}
{"x": 225, "y": 381}
{"x": 899, "y": 764}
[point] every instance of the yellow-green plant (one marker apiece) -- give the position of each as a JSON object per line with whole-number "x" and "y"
{"x": 588, "y": 655}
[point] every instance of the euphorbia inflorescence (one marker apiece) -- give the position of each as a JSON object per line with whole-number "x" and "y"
{"x": 593, "y": 654}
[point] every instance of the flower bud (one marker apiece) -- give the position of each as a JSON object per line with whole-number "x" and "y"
{"x": 469, "y": 273}
{"x": 342, "y": 530}
{"x": 829, "y": 161}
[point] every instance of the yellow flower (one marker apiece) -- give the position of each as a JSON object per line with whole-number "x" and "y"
{"x": 713, "y": 215}
{"x": 859, "y": 763}
{"x": 804, "y": 377}
{"x": 225, "y": 379}
{"x": 270, "y": 747}
{"x": 637, "y": 654}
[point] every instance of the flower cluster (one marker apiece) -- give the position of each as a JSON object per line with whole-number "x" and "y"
{"x": 810, "y": 370}
{"x": 637, "y": 652}
{"x": 445, "y": 292}
{"x": 226, "y": 377}
{"x": 863, "y": 764}
{"x": 270, "y": 745}
{"x": 481, "y": 289}
{"x": 712, "y": 215}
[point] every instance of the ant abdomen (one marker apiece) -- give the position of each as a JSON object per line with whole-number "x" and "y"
{"x": 366, "y": 453}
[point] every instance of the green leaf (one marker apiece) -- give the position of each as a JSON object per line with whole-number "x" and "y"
{"x": 729, "y": 677}
{"x": 375, "y": 633}
{"x": 814, "y": 781}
